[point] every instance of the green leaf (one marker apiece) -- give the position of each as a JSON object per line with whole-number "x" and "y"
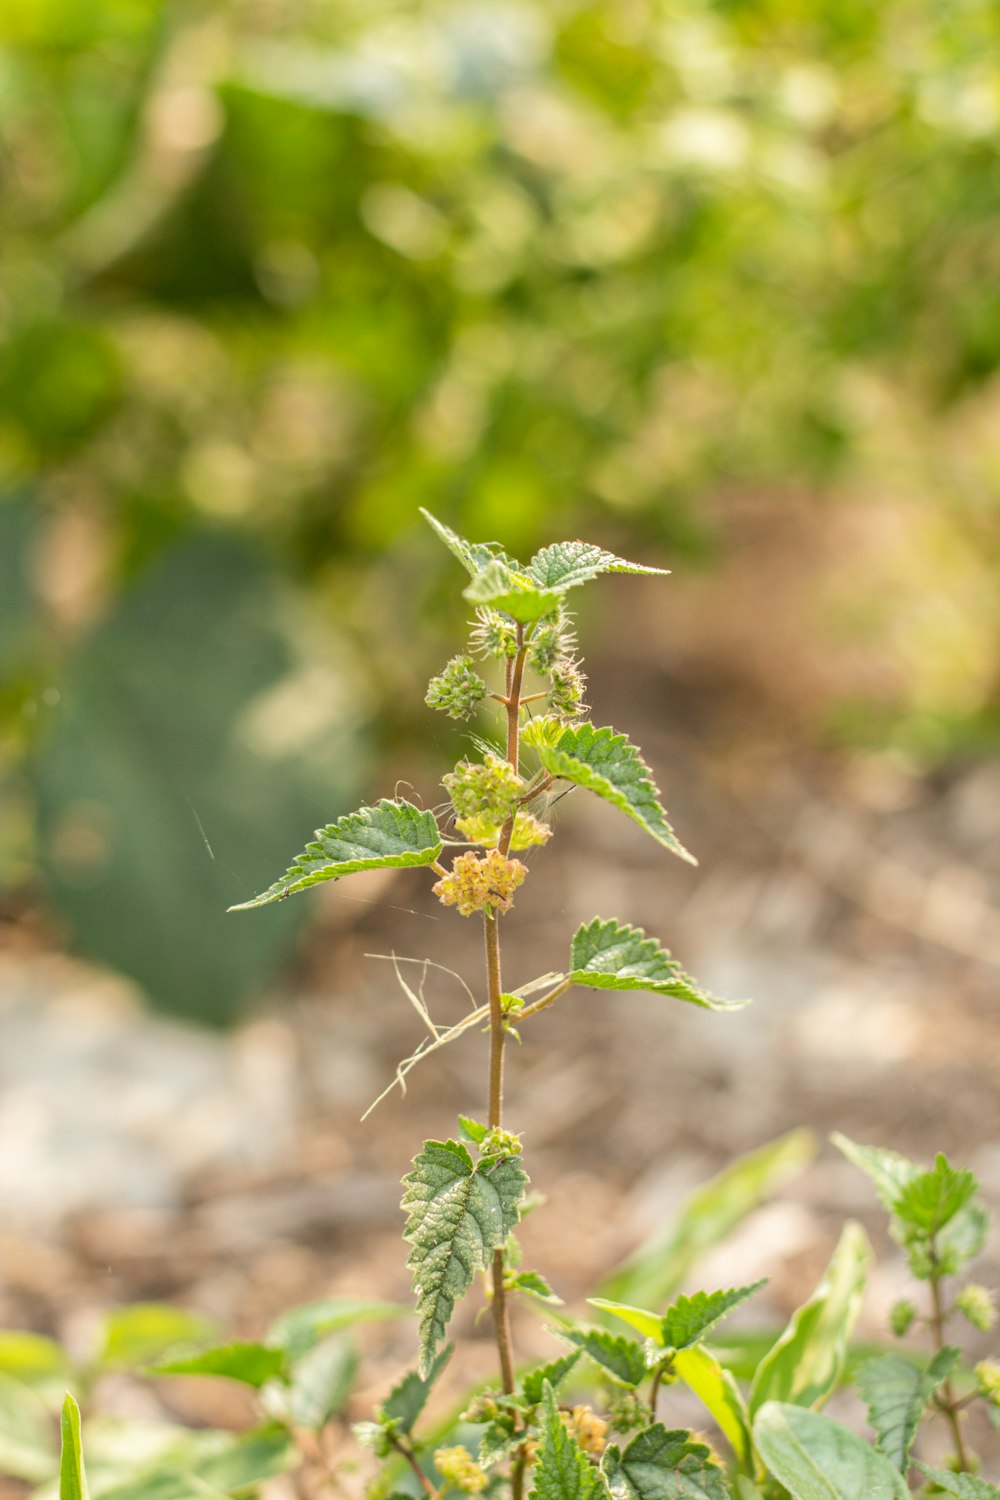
{"x": 393, "y": 835}
{"x": 407, "y": 1400}
{"x": 806, "y": 1362}
{"x": 718, "y": 1392}
{"x": 34, "y": 1360}
{"x": 965, "y": 1486}
{"x": 321, "y": 1383}
{"x": 26, "y": 1438}
{"x": 248, "y": 1459}
{"x": 474, "y": 556}
{"x": 889, "y": 1171}
{"x": 500, "y": 1437}
{"x": 621, "y": 1359}
{"x": 652, "y": 1275}
{"x": 562, "y": 1470}
{"x": 535, "y": 1283}
{"x": 608, "y": 956}
{"x": 473, "y": 1130}
{"x": 249, "y": 1363}
{"x": 649, "y": 1324}
{"x": 72, "y": 1474}
{"x": 817, "y": 1459}
{"x": 533, "y": 1384}
{"x": 298, "y": 1329}
{"x": 688, "y": 1320}
{"x": 662, "y": 1465}
{"x": 458, "y": 1215}
{"x": 606, "y": 763}
{"x": 931, "y": 1200}
{"x": 896, "y": 1393}
{"x": 20, "y": 613}
{"x": 141, "y": 1333}
{"x": 564, "y": 565}
{"x": 515, "y": 593}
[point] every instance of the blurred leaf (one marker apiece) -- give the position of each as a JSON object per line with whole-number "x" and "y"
{"x": 143, "y": 1331}
{"x": 250, "y": 1364}
{"x": 18, "y": 604}
{"x": 188, "y": 706}
{"x": 805, "y": 1364}
{"x": 408, "y": 1397}
{"x": 35, "y": 1361}
{"x": 817, "y": 1459}
{"x": 655, "y": 1272}
{"x": 26, "y": 1437}
{"x": 896, "y": 1394}
{"x": 298, "y": 1329}
{"x": 322, "y": 1382}
{"x": 965, "y": 1486}
{"x": 718, "y": 1392}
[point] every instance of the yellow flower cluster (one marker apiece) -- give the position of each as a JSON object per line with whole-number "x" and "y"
{"x": 589, "y": 1430}
{"x": 528, "y": 830}
{"x": 458, "y": 1468}
{"x": 477, "y": 883}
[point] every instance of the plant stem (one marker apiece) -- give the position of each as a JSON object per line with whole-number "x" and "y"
{"x": 553, "y": 994}
{"x": 654, "y": 1389}
{"x": 411, "y": 1459}
{"x": 498, "y": 1034}
{"x": 948, "y": 1404}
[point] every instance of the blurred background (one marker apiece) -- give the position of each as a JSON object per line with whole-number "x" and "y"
{"x": 716, "y": 285}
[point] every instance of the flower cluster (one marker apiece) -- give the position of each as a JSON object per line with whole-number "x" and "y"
{"x": 988, "y": 1379}
{"x": 458, "y": 690}
{"x": 901, "y": 1316}
{"x": 500, "y": 1142}
{"x": 493, "y": 634}
{"x": 528, "y": 831}
{"x": 488, "y": 788}
{"x": 589, "y": 1430}
{"x": 457, "y": 1467}
{"x": 477, "y": 883}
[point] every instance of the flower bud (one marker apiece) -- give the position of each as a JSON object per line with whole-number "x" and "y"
{"x": 458, "y": 1468}
{"x": 901, "y": 1316}
{"x": 566, "y": 688}
{"x": 493, "y": 634}
{"x": 988, "y": 1379}
{"x": 477, "y": 883}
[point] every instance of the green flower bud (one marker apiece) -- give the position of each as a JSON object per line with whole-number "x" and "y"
{"x": 498, "y": 1142}
{"x": 493, "y": 634}
{"x": 553, "y": 640}
{"x": 901, "y": 1316}
{"x": 458, "y": 690}
{"x": 488, "y": 789}
{"x": 566, "y": 688}
{"x": 975, "y": 1303}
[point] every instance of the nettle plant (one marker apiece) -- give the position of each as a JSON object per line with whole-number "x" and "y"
{"x": 591, "y": 1423}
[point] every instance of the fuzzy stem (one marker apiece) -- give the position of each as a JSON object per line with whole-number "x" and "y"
{"x": 553, "y": 994}
{"x": 948, "y": 1404}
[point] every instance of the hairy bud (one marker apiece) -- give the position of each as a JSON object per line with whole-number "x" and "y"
{"x": 493, "y": 634}
{"x": 988, "y": 1379}
{"x": 458, "y": 690}
{"x": 488, "y": 788}
{"x": 566, "y": 689}
{"x": 901, "y": 1316}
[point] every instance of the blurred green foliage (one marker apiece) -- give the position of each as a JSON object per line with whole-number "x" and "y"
{"x": 283, "y": 270}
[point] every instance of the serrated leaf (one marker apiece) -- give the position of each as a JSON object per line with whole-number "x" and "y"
{"x": 473, "y": 1130}
{"x": 816, "y": 1458}
{"x": 806, "y": 1362}
{"x": 607, "y": 764}
{"x": 298, "y": 1329}
{"x": 458, "y": 1215}
{"x": 649, "y": 1324}
{"x": 663, "y": 1465}
{"x": 606, "y": 955}
{"x": 565, "y": 565}
{"x": 965, "y": 1486}
{"x": 562, "y": 1470}
{"x": 535, "y": 1283}
{"x": 474, "y": 556}
{"x": 718, "y": 1392}
{"x": 513, "y": 592}
{"x": 500, "y": 1438}
{"x": 321, "y": 1383}
{"x": 889, "y": 1171}
{"x": 653, "y": 1274}
{"x": 555, "y": 1372}
{"x": 931, "y": 1200}
{"x": 249, "y": 1363}
{"x": 896, "y": 1393}
{"x": 391, "y": 835}
{"x": 72, "y": 1474}
{"x": 406, "y": 1401}
{"x": 688, "y": 1320}
{"x": 621, "y": 1359}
